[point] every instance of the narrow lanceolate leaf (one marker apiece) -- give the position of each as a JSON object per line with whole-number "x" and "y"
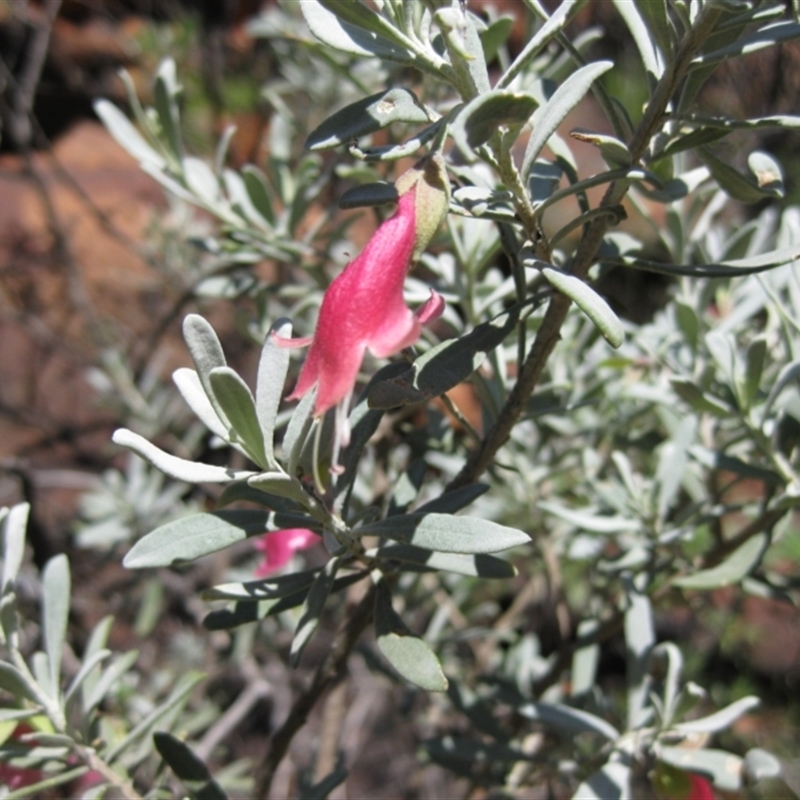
{"x": 268, "y": 589}
{"x": 589, "y": 520}
{"x": 739, "y": 187}
{"x": 120, "y": 127}
{"x": 480, "y": 565}
{"x": 370, "y": 35}
{"x": 447, "y": 533}
{"x": 55, "y": 610}
{"x": 313, "y": 607}
{"x": 188, "y": 767}
{"x": 178, "y": 468}
{"x": 548, "y": 117}
{"x": 454, "y": 500}
{"x": 589, "y": 302}
{"x": 272, "y": 369}
{"x": 407, "y": 653}
{"x": 721, "y": 720}
{"x": 15, "y": 682}
{"x": 568, "y": 720}
{"x": 724, "y": 768}
{"x": 639, "y": 640}
{"x": 651, "y": 57}
{"x": 368, "y": 116}
{"x": 191, "y": 537}
{"x": 14, "y": 526}
{"x": 722, "y": 269}
{"x": 206, "y": 351}
{"x": 757, "y": 40}
{"x": 735, "y": 567}
{"x": 188, "y": 383}
{"x": 239, "y": 406}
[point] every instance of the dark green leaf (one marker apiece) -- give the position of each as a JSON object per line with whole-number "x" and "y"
{"x": 188, "y": 767}
{"x": 480, "y": 565}
{"x": 369, "y": 194}
{"x": 313, "y": 607}
{"x": 368, "y": 116}
{"x": 454, "y": 500}
{"x": 444, "y": 366}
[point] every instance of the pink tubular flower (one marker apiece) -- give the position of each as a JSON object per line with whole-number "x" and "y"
{"x": 363, "y": 308}
{"x": 279, "y": 546}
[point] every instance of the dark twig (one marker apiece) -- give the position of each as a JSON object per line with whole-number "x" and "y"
{"x": 328, "y": 674}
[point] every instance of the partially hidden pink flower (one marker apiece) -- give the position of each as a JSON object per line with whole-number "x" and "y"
{"x": 279, "y": 546}
{"x": 363, "y": 308}
{"x": 19, "y": 777}
{"x": 700, "y": 788}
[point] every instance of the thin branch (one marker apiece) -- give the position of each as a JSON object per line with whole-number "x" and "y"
{"x": 550, "y": 331}
{"x": 328, "y": 674}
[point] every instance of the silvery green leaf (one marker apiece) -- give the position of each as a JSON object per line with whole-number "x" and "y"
{"x": 739, "y": 187}
{"x": 723, "y": 269}
{"x": 615, "y": 153}
{"x": 765, "y": 36}
{"x": 672, "y": 658}
{"x": 369, "y": 194}
{"x": 585, "y": 661}
{"x": 312, "y": 609}
{"x": 654, "y": 15}
{"x": 56, "y": 587}
{"x": 723, "y": 768}
{"x": 206, "y": 352}
{"x": 767, "y": 172}
{"x": 672, "y": 460}
{"x": 188, "y": 383}
{"x": 587, "y": 299}
{"x": 354, "y": 28}
{"x": 237, "y": 403}
{"x": 639, "y": 640}
{"x": 89, "y": 663}
{"x": 464, "y": 755}
{"x": 755, "y": 359}
{"x": 165, "y": 94}
{"x": 611, "y": 782}
{"x": 120, "y": 127}
{"x": 297, "y": 431}
{"x": 240, "y": 201}
{"x": 482, "y": 117}
{"x": 445, "y": 365}
{"x": 588, "y": 520}
{"x": 567, "y": 719}
{"x": 272, "y": 369}
{"x": 459, "y": 29}
{"x": 110, "y": 675}
{"x": 479, "y": 566}
{"x": 760, "y": 765}
{"x": 478, "y": 202}
{"x": 367, "y": 116}
{"x": 175, "y": 467}
{"x": 735, "y": 567}
{"x": 788, "y": 374}
{"x": 551, "y": 28}
{"x": 720, "y": 720}
{"x": 201, "y": 180}
{"x": 652, "y": 58}
{"x": 280, "y": 484}
{"x": 16, "y": 682}
{"x": 408, "y": 654}
{"x": 161, "y": 715}
{"x": 190, "y": 769}
{"x": 547, "y": 118}
{"x": 14, "y": 525}
{"x": 98, "y": 640}
{"x": 192, "y": 537}
{"x": 447, "y": 533}
{"x": 544, "y": 179}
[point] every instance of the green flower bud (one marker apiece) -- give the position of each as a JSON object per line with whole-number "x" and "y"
{"x": 428, "y": 179}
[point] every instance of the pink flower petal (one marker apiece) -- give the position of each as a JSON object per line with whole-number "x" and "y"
{"x": 279, "y": 546}
{"x": 364, "y": 308}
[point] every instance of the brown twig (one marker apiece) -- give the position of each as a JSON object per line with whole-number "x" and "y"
{"x": 328, "y": 674}
{"x": 549, "y": 332}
